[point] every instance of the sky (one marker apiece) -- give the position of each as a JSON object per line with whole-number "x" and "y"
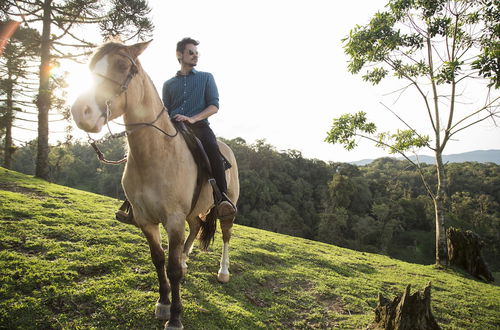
{"x": 282, "y": 73}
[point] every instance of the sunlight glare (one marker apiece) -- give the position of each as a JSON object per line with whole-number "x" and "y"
{"x": 79, "y": 80}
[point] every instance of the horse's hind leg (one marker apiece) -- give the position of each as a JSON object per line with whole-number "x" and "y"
{"x": 152, "y": 233}
{"x": 194, "y": 228}
{"x": 223, "y": 274}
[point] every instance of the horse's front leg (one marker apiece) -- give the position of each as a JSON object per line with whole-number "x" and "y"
{"x": 194, "y": 229}
{"x": 175, "y": 230}
{"x": 223, "y": 274}
{"x": 152, "y": 233}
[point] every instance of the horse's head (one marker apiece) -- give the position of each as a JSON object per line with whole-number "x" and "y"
{"x": 114, "y": 67}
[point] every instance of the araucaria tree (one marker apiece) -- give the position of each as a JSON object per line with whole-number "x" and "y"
{"x": 16, "y": 89}
{"x": 63, "y": 36}
{"x": 437, "y": 48}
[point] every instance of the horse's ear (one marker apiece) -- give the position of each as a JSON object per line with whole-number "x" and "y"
{"x": 137, "y": 49}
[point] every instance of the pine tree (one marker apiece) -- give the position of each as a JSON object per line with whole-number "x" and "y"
{"x": 62, "y": 38}
{"x": 16, "y": 91}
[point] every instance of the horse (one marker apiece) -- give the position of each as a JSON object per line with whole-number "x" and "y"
{"x": 160, "y": 176}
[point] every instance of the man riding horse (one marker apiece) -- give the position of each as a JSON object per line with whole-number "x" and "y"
{"x": 161, "y": 178}
{"x": 191, "y": 97}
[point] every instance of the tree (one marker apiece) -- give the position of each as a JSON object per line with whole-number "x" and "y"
{"x": 435, "y": 47}
{"x": 61, "y": 39}
{"x": 15, "y": 86}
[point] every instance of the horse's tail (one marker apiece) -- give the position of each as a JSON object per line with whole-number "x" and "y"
{"x": 208, "y": 227}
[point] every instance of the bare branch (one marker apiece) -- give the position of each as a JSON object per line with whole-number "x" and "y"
{"x": 71, "y": 45}
{"x": 491, "y": 115}
{"x": 73, "y": 57}
{"x": 28, "y": 120}
{"x": 401, "y": 91}
{"x": 470, "y": 75}
{"x": 485, "y": 107}
{"x": 406, "y": 124}
{"x": 64, "y": 29}
{"x": 417, "y": 86}
{"x": 81, "y": 40}
{"x": 417, "y": 165}
{"x": 437, "y": 53}
{"x": 24, "y": 128}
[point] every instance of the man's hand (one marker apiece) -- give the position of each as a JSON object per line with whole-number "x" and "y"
{"x": 184, "y": 118}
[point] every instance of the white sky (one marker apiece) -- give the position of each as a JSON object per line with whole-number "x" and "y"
{"x": 282, "y": 73}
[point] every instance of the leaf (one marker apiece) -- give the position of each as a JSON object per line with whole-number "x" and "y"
{"x": 347, "y": 127}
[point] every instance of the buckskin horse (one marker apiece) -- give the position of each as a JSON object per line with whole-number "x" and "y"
{"x": 160, "y": 177}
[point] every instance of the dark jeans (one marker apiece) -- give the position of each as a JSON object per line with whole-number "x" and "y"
{"x": 207, "y": 137}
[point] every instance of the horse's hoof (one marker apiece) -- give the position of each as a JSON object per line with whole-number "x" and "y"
{"x": 223, "y": 278}
{"x": 162, "y": 311}
{"x": 177, "y": 326}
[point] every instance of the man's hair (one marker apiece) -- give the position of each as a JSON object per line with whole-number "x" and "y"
{"x": 181, "y": 45}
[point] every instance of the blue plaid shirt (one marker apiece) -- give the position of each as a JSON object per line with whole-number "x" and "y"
{"x": 191, "y": 94}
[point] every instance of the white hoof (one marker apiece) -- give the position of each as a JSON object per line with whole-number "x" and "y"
{"x": 168, "y": 327}
{"x": 223, "y": 278}
{"x": 162, "y": 311}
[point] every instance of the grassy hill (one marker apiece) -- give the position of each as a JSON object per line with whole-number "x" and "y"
{"x": 65, "y": 263}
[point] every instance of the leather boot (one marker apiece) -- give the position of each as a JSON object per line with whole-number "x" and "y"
{"x": 226, "y": 210}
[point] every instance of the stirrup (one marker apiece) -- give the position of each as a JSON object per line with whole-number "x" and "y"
{"x": 125, "y": 214}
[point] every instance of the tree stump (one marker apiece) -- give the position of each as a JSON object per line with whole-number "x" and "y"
{"x": 406, "y": 312}
{"x": 464, "y": 251}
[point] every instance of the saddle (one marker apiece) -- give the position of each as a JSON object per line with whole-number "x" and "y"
{"x": 202, "y": 162}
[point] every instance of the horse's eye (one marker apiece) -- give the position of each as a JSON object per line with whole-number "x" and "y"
{"x": 121, "y": 66}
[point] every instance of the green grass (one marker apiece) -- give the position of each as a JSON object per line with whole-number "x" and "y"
{"x": 65, "y": 263}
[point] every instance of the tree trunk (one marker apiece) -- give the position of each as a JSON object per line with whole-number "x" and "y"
{"x": 406, "y": 312}
{"x": 464, "y": 248}
{"x": 441, "y": 248}
{"x": 43, "y": 101}
{"x": 8, "y": 147}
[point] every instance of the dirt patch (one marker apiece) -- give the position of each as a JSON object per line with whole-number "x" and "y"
{"x": 273, "y": 284}
{"x": 23, "y": 190}
{"x": 254, "y": 300}
{"x": 333, "y": 304}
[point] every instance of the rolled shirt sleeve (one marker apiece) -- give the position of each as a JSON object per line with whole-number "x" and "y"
{"x": 211, "y": 92}
{"x": 165, "y": 98}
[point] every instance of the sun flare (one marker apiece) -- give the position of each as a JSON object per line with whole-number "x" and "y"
{"x": 78, "y": 79}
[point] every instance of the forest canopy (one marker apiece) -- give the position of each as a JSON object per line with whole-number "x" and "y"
{"x": 381, "y": 207}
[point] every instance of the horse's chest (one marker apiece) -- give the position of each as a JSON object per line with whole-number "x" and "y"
{"x": 156, "y": 196}
{"x": 151, "y": 202}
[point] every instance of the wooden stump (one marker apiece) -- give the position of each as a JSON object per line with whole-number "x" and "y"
{"x": 406, "y": 312}
{"x": 464, "y": 251}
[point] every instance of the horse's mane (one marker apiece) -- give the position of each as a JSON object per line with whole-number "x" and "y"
{"x": 104, "y": 49}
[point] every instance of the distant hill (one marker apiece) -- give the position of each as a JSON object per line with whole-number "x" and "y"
{"x": 65, "y": 263}
{"x": 480, "y": 156}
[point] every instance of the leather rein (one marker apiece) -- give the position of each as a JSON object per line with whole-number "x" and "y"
{"x": 106, "y": 113}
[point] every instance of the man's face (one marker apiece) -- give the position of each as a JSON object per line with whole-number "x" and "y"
{"x": 190, "y": 56}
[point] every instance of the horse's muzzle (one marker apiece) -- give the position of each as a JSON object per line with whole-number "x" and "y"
{"x": 87, "y": 115}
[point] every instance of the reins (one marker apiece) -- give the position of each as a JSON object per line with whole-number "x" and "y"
{"x": 107, "y": 112}
{"x": 100, "y": 155}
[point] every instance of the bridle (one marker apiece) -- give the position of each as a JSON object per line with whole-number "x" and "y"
{"x": 123, "y": 88}
{"x": 106, "y": 113}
